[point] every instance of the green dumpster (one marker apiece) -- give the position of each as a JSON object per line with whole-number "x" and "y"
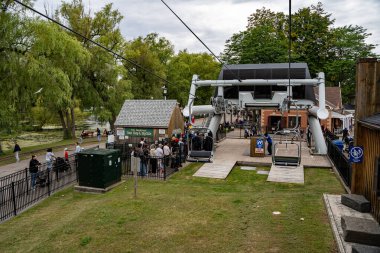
{"x": 99, "y": 168}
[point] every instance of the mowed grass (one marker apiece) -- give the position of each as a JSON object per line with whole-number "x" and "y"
{"x": 183, "y": 214}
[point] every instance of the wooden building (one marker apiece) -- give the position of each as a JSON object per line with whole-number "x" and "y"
{"x": 149, "y": 119}
{"x": 366, "y": 175}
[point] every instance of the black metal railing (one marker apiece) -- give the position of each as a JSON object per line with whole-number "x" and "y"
{"x": 341, "y": 162}
{"x": 153, "y": 167}
{"x": 17, "y": 191}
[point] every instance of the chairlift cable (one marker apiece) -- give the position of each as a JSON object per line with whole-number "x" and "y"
{"x": 204, "y": 44}
{"x": 116, "y": 55}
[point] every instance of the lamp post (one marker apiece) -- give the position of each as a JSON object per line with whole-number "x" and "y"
{"x": 164, "y": 91}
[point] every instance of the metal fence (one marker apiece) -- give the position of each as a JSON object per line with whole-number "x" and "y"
{"x": 17, "y": 192}
{"x": 340, "y": 161}
{"x": 150, "y": 166}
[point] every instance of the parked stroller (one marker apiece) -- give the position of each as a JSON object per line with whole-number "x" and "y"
{"x": 61, "y": 165}
{"x": 41, "y": 179}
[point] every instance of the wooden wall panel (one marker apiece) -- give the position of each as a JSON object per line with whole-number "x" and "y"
{"x": 365, "y": 172}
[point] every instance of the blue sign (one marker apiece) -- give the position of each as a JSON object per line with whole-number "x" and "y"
{"x": 356, "y": 154}
{"x": 259, "y": 146}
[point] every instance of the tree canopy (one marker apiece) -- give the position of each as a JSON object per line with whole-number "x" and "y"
{"x": 315, "y": 40}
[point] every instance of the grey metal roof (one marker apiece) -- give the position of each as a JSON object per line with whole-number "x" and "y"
{"x": 265, "y": 71}
{"x": 372, "y": 121}
{"x": 146, "y": 113}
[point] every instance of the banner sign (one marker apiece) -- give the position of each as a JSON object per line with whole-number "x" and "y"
{"x": 356, "y": 154}
{"x": 139, "y": 132}
{"x": 259, "y": 146}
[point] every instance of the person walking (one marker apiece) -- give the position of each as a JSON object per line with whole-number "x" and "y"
{"x": 33, "y": 170}
{"x": 49, "y": 158}
{"x": 16, "y": 150}
{"x": 269, "y": 140}
{"x": 98, "y": 134}
{"x": 66, "y": 154}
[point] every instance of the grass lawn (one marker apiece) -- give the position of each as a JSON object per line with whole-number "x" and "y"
{"x": 183, "y": 214}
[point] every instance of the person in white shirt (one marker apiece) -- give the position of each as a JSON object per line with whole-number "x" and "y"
{"x": 77, "y": 148}
{"x": 49, "y": 158}
{"x": 167, "y": 153}
{"x": 160, "y": 153}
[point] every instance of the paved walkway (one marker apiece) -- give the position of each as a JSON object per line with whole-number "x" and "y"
{"x": 14, "y": 167}
{"x": 335, "y": 210}
{"x": 232, "y": 150}
{"x": 286, "y": 174}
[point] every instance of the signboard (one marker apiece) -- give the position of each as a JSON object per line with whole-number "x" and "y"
{"x": 139, "y": 132}
{"x": 162, "y": 131}
{"x": 356, "y": 154}
{"x": 259, "y": 149}
{"x": 120, "y": 131}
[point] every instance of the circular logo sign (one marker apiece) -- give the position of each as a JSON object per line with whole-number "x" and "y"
{"x": 356, "y": 153}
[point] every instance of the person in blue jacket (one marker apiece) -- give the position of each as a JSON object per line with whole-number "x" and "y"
{"x": 269, "y": 140}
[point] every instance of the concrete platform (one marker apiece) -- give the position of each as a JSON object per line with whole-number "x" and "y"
{"x": 218, "y": 169}
{"x": 286, "y": 174}
{"x": 233, "y": 151}
{"x": 335, "y": 210}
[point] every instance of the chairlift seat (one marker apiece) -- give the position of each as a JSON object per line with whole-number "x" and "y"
{"x": 286, "y": 160}
{"x": 199, "y": 155}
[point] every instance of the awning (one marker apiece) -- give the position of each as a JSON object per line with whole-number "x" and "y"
{"x": 336, "y": 115}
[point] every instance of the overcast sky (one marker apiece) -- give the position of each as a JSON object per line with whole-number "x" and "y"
{"x": 214, "y": 21}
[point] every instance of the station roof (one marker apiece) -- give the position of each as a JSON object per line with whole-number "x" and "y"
{"x": 333, "y": 96}
{"x": 372, "y": 121}
{"x": 265, "y": 71}
{"x": 146, "y": 113}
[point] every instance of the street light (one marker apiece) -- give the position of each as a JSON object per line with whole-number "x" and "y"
{"x": 164, "y": 91}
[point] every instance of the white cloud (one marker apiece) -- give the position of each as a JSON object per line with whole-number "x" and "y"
{"x": 216, "y": 20}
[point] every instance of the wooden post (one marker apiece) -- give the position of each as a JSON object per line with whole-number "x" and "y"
{"x": 367, "y": 103}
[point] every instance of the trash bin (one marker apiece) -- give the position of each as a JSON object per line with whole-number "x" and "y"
{"x": 339, "y": 144}
{"x": 257, "y": 147}
{"x": 99, "y": 168}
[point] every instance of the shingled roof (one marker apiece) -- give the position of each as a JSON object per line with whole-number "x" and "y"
{"x": 146, "y": 113}
{"x": 333, "y": 97}
{"x": 372, "y": 121}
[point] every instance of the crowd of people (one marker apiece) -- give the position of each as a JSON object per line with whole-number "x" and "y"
{"x": 153, "y": 158}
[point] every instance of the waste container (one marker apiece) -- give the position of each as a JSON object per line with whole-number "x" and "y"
{"x": 257, "y": 147}
{"x": 339, "y": 144}
{"x": 99, "y": 168}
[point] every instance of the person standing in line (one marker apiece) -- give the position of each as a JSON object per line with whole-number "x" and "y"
{"x": 269, "y": 140}
{"x": 98, "y": 134}
{"x": 166, "y": 153}
{"x": 160, "y": 154}
{"x": 33, "y": 170}
{"x": 16, "y": 150}
{"x": 49, "y": 158}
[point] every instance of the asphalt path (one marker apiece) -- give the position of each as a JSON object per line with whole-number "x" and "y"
{"x": 22, "y": 164}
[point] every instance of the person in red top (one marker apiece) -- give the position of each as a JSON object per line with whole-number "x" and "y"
{"x": 66, "y": 154}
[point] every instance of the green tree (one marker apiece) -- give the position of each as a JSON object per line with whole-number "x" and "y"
{"x": 152, "y": 53}
{"x": 181, "y": 69}
{"x": 348, "y": 46}
{"x": 101, "y": 77}
{"x": 264, "y": 41}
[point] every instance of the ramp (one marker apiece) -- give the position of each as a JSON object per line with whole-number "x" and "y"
{"x": 217, "y": 169}
{"x": 286, "y": 174}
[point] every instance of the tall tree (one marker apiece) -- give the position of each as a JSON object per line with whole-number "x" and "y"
{"x": 264, "y": 41}
{"x": 180, "y": 71}
{"x": 102, "y": 74}
{"x": 152, "y": 53}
